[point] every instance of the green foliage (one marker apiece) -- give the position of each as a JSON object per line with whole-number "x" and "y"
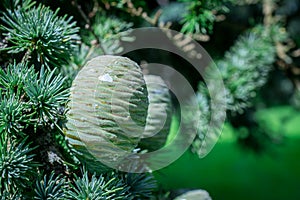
{"x": 109, "y": 27}
{"x": 46, "y": 96}
{"x": 112, "y": 185}
{"x": 244, "y": 69}
{"x": 246, "y": 66}
{"x": 50, "y": 188}
{"x": 67, "y": 151}
{"x": 12, "y": 4}
{"x": 96, "y": 188}
{"x": 13, "y": 116}
{"x": 201, "y": 15}
{"x": 173, "y": 12}
{"x": 17, "y": 166}
{"x": 141, "y": 186}
{"x": 14, "y": 78}
{"x": 202, "y": 98}
{"x": 30, "y": 98}
{"x": 80, "y": 56}
{"x": 108, "y": 30}
{"x": 10, "y": 195}
{"x": 40, "y": 34}
{"x": 296, "y": 99}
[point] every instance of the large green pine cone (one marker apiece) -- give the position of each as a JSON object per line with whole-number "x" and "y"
{"x": 159, "y": 114}
{"x": 107, "y": 111}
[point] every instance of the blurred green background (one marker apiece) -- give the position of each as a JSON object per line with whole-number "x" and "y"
{"x": 232, "y": 172}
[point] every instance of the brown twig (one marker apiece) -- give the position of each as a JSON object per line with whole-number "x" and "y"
{"x": 296, "y": 53}
{"x": 94, "y": 10}
{"x": 88, "y": 25}
{"x": 139, "y": 12}
{"x": 281, "y": 49}
{"x": 268, "y": 8}
{"x": 26, "y": 56}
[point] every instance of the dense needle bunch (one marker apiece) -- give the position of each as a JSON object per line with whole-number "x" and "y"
{"x": 244, "y": 69}
{"x": 201, "y": 15}
{"x": 13, "y": 116}
{"x": 17, "y": 165}
{"x": 30, "y": 97}
{"x": 112, "y": 185}
{"x": 40, "y": 34}
{"x": 46, "y": 96}
{"x": 50, "y": 187}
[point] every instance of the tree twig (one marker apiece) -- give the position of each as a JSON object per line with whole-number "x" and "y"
{"x": 88, "y": 25}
